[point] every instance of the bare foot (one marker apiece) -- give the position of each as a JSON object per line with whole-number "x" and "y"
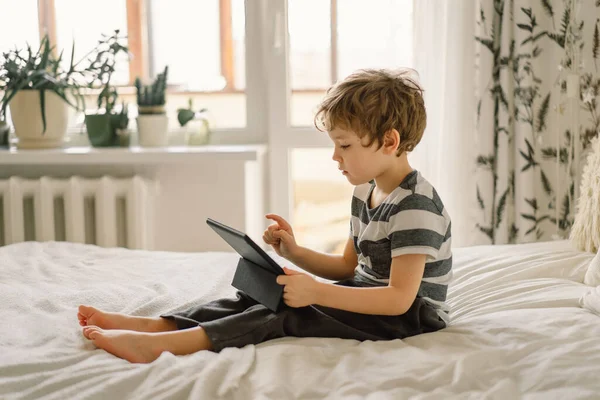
{"x": 144, "y": 347}
{"x": 89, "y": 316}
{"x": 135, "y": 347}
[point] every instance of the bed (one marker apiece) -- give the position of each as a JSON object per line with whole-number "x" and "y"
{"x": 517, "y": 331}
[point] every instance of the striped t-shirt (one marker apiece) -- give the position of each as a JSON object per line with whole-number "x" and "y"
{"x": 411, "y": 220}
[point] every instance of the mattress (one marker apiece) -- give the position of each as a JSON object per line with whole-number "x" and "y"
{"x": 517, "y": 331}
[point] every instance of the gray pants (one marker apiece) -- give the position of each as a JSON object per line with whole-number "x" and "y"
{"x": 242, "y": 321}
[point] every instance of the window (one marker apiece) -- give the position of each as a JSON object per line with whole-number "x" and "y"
{"x": 374, "y": 34}
{"x": 331, "y": 39}
{"x": 309, "y": 25}
{"x": 210, "y": 46}
{"x": 203, "y": 44}
{"x": 202, "y": 41}
{"x": 322, "y": 195}
{"x": 85, "y": 32}
{"x": 22, "y": 26}
{"x": 191, "y": 47}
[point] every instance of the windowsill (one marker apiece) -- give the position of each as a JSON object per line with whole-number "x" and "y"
{"x": 132, "y": 155}
{"x": 180, "y": 90}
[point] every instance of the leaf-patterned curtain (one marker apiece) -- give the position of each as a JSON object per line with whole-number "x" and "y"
{"x": 538, "y": 64}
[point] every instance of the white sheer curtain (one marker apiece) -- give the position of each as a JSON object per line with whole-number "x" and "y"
{"x": 445, "y": 60}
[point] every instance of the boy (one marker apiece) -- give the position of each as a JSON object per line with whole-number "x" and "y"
{"x": 396, "y": 266}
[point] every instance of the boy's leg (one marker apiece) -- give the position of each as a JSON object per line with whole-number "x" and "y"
{"x": 142, "y": 347}
{"x": 258, "y": 324}
{"x": 90, "y": 316}
{"x": 145, "y": 346}
{"x": 214, "y": 310}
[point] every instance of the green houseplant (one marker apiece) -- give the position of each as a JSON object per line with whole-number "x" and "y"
{"x": 4, "y": 128}
{"x": 198, "y": 131}
{"x": 4, "y": 131}
{"x": 103, "y": 125}
{"x": 152, "y": 120}
{"x": 38, "y": 92}
{"x": 121, "y": 124}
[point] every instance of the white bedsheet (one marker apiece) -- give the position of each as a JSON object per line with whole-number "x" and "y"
{"x": 517, "y": 331}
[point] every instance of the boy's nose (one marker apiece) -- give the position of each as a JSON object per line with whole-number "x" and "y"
{"x": 336, "y": 157}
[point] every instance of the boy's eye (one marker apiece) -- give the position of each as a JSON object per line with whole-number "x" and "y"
{"x": 344, "y": 147}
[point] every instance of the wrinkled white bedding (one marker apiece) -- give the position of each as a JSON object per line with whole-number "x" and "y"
{"x": 517, "y": 331}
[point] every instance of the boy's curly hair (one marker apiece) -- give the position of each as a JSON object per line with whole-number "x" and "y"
{"x": 372, "y": 102}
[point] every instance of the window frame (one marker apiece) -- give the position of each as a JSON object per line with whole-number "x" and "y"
{"x": 263, "y": 96}
{"x": 267, "y": 93}
{"x": 140, "y": 46}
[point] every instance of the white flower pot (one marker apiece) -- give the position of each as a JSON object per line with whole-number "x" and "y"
{"x": 153, "y": 130}
{"x": 26, "y": 115}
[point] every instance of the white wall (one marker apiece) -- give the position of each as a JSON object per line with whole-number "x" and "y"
{"x": 231, "y": 191}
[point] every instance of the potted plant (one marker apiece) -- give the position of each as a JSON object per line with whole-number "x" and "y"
{"x": 4, "y": 131}
{"x": 152, "y": 120}
{"x": 38, "y": 91}
{"x": 198, "y": 132}
{"x": 102, "y": 126}
{"x": 121, "y": 124}
{"x": 4, "y": 128}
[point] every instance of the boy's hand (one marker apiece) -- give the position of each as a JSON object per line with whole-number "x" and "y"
{"x": 280, "y": 236}
{"x": 300, "y": 289}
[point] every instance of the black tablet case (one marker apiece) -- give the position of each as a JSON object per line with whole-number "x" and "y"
{"x": 256, "y": 273}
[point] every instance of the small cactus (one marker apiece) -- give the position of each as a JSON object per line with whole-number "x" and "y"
{"x": 151, "y": 98}
{"x": 138, "y": 87}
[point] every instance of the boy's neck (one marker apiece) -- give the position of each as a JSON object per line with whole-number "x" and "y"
{"x": 391, "y": 178}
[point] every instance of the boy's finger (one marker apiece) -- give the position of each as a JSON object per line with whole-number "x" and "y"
{"x": 282, "y": 222}
{"x": 271, "y": 241}
{"x": 281, "y": 279}
{"x": 283, "y": 235}
{"x": 289, "y": 271}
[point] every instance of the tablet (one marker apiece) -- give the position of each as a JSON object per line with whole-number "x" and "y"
{"x": 245, "y": 246}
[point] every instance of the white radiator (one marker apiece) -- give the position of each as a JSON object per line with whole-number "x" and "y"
{"x": 108, "y": 212}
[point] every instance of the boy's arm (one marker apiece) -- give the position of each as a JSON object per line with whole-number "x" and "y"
{"x": 328, "y": 266}
{"x": 405, "y": 278}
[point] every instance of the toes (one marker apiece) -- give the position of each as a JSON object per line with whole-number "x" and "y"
{"x": 96, "y": 334}
{"x": 88, "y": 331}
{"x": 86, "y": 311}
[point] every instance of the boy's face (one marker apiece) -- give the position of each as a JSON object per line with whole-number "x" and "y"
{"x": 358, "y": 163}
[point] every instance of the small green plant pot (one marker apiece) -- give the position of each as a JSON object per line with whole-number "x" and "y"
{"x": 101, "y": 129}
{"x": 144, "y": 110}
{"x": 199, "y": 132}
{"x": 124, "y": 137}
{"x": 4, "y": 132}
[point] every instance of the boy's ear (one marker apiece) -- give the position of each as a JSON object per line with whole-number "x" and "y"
{"x": 391, "y": 141}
